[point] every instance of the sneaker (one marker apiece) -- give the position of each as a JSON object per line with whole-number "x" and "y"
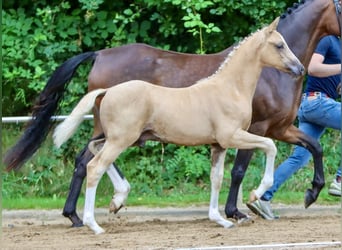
{"x": 263, "y": 209}
{"x": 335, "y": 187}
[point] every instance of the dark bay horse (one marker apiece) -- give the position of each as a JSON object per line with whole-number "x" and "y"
{"x": 217, "y": 110}
{"x": 274, "y": 108}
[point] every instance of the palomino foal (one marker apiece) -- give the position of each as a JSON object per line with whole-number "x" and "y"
{"x": 216, "y": 111}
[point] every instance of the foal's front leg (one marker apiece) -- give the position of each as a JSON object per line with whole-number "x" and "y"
{"x": 245, "y": 140}
{"x": 216, "y": 176}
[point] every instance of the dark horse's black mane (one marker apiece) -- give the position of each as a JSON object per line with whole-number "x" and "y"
{"x": 290, "y": 10}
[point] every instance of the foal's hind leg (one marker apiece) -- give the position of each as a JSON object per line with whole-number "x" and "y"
{"x": 121, "y": 185}
{"x": 217, "y": 166}
{"x": 95, "y": 169}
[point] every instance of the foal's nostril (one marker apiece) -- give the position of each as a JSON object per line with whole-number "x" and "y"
{"x": 298, "y": 69}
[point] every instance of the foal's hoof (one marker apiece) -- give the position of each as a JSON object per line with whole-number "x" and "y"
{"x": 230, "y": 226}
{"x": 244, "y": 221}
{"x": 113, "y": 208}
{"x": 252, "y": 196}
{"x": 226, "y": 223}
{"x": 309, "y": 198}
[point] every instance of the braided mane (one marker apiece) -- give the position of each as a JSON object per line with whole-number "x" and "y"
{"x": 291, "y": 9}
{"x": 231, "y": 53}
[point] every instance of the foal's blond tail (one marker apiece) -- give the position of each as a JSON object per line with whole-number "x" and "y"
{"x": 68, "y": 127}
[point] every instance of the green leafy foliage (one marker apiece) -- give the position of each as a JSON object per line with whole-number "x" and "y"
{"x": 39, "y": 36}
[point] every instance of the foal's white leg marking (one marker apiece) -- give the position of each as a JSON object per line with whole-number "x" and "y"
{"x": 216, "y": 176}
{"x": 121, "y": 189}
{"x": 88, "y": 216}
{"x": 267, "y": 180}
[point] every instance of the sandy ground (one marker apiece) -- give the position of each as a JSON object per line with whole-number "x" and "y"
{"x": 318, "y": 227}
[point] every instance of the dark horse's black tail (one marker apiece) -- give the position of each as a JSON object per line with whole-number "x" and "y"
{"x": 45, "y": 107}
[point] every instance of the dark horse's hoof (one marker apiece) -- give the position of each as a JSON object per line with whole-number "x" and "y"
{"x": 239, "y": 217}
{"x": 76, "y": 221}
{"x": 77, "y": 224}
{"x": 309, "y": 198}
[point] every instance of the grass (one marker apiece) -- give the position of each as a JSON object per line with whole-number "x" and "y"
{"x": 176, "y": 199}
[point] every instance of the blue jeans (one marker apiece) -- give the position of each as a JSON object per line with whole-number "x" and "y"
{"x": 314, "y": 117}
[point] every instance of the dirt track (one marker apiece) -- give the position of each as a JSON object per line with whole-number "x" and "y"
{"x": 172, "y": 228}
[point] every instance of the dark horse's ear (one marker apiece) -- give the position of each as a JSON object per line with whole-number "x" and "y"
{"x": 273, "y": 25}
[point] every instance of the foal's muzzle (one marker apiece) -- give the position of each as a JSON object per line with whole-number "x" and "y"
{"x": 297, "y": 69}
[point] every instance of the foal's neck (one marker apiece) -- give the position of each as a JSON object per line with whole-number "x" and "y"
{"x": 242, "y": 67}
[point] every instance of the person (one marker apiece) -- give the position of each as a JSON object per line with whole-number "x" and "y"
{"x": 318, "y": 110}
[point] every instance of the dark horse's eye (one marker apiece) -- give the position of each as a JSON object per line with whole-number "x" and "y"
{"x": 280, "y": 46}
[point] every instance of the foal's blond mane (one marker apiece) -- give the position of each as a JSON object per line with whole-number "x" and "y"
{"x": 231, "y": 54}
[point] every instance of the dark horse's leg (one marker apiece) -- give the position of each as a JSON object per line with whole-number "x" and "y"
{"x": 318, "y": 182}
{"x": 243, "y": 158}
{"x": 79, "y": 174}
{"x": 241, "y": 163}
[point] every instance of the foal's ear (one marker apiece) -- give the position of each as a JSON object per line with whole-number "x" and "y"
{"x": 274, "y": 24}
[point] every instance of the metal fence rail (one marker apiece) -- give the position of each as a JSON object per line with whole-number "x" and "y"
{"x": 18, "y": 119}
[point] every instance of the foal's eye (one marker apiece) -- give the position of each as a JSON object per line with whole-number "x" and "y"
{"x": 280, "y": 46}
